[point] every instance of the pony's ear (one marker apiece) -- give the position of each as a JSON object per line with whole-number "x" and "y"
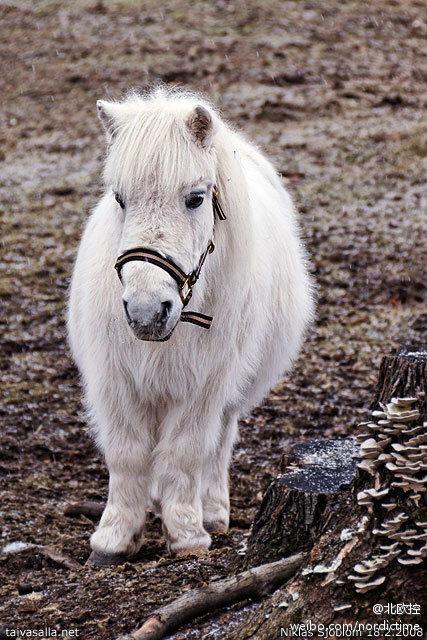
{"x": 201, "y": 126}
{"x": 110, "y": 115}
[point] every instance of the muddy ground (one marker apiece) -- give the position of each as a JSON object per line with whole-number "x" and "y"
{"x": 335, "y": 93}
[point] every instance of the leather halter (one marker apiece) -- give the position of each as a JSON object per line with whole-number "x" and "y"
{"x": 185, "y": 281}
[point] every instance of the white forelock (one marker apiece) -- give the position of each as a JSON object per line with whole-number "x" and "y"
{"x": 152, "y": 146}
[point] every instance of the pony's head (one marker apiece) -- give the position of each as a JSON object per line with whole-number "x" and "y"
{"x": 160, "y": 171}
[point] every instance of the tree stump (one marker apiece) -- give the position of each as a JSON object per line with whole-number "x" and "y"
{"x": 404, "y": 374}
{"x": 373, "y": 548}
{"x": 302, "y": 501}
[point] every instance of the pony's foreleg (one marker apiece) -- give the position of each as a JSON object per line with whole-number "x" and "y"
{"x": 215, "y": 490}
{"x": 124, "y": 439}
{"x": 120, "y": 532}
{"x": 178, "y": 459}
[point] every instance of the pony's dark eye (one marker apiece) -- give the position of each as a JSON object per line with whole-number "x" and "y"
{"x": 119, "y": 199}
{"x": 194, "y": 200}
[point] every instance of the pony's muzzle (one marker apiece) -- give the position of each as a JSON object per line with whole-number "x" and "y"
{"x": 150, "y": 320}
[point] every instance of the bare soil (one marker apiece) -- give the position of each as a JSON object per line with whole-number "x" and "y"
{"x": 334, "y": 92}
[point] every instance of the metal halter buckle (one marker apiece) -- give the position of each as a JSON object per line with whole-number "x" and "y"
{"x": 185, "y": 297}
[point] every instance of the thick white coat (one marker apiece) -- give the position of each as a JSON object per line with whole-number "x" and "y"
{"x": 165, "y": 413}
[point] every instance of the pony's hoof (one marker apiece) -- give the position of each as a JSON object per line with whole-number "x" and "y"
{"x": 201, "y": 550}
{"x": 215, "y": 527}
{"x": 100, "y": 559}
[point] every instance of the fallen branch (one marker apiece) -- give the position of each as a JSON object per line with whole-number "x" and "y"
{"x": 253, "y": 583}
{"x": 48, "y": 552}
{"x": 59, "y": 557}
{"x": 84, "y": 508}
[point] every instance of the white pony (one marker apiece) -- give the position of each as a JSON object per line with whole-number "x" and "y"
{"x": 164, "y": 396}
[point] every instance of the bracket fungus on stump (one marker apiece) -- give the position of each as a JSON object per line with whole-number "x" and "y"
{"x": 394, "y": 452}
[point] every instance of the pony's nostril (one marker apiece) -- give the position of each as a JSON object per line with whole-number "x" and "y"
{"x": 125, "y": 304}
{"x": 165, "y": 311}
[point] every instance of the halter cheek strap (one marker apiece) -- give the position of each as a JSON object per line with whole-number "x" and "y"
{"x": 185, "y": 281}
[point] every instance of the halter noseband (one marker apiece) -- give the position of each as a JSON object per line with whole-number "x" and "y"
{"x": 185, "y": 281}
